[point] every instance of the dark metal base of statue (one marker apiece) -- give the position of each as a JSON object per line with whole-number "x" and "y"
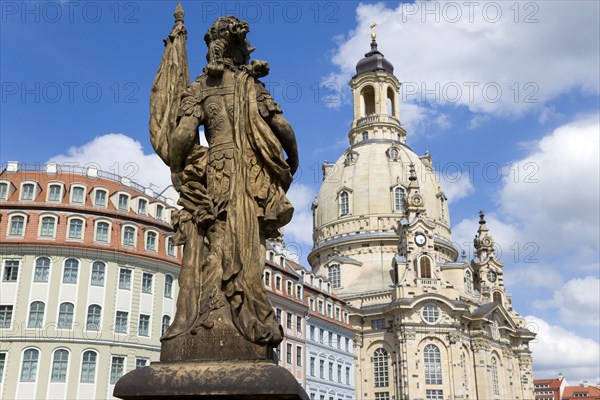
{"x": 241, "y": 380}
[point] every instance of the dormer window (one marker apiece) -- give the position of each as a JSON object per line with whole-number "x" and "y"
{"x": 77, "y": 195}
{"x": 267, "y": 279}
{"x": 159, "y": 211}
{"x": 344, "y": 204}
{"x": 334, "y": 276}
{"x": 55, "y": 193}
{"x": 100, "y": 198}
{"x": 3, "y": 190}
{"x": 27, "y": 191}
{"x": 399, "y": 199}
{"x": 142, "y": 206}
{"x": 123, "y": 202}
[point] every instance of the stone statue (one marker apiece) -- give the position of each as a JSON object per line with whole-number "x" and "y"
{"x": 232, "y": 197}
{"x": 233, "y": 191}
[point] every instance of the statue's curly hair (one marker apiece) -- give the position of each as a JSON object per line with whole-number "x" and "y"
{"x": 225, "y": 33}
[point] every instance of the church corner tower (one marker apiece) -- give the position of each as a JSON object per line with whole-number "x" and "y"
{"x": 430, "y": 323}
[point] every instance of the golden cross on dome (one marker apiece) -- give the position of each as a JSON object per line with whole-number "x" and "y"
{"x": 373, "y": 34}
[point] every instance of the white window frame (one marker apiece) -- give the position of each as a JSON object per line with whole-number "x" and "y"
{"x": 86, "y": 365}
{"x": 344, "y": 203}
{"x": 432, "y": 364}
{"x": 148, "y": 326}
{"x": 160, "y": 217}
{"x": 63, "y": 374}
{"x": 130, "y": 278}
{"x": 267, "y": 274}
{"x": 92, "y": 265}
{"x": 395, "y": 208}
{"x": 122, "y": 366}
{"x": 60, "y": 194}
{"x": 118, "y": 201}
{"x": 168, "y": 293}
{"x": 138, "y": 203}
{"x": 41, "y": 225}
{"x": 334, "y": 272}
{"x": 109, "y": 234}
{"x": 95, "y": 197}
{"x": 64, "y": 268}
{"x": 4, "y": 266}
{"x": 37, "y": 365}
{"x": 381, "y": 370}
{"x": 10, "y": 222}
{"x": 8, "y": 185}
{"x": 34, "y": 193}
{"x": 58, "y": 318}
{"x": 429, "y": 311}
{"x": 156, "y": 243}
{"x": 135, "y": 234}
{"x": 126, "y": 326}
{"x": 163, "y": 326}
{"x": 68, "y": 233}
{"x": 72, "y": 191}
{"x": 151, "y": 289}
{"x": 87, "y": 318}
{"x": 169, "y": 239}
{"x": 36, "y": 266}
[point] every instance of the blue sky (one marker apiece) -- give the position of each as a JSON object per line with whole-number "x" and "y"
{"x": 505, "y": 96}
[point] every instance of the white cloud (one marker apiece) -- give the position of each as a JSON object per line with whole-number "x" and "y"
{"x": 577, "y": 301}
{"x": 464, "y": 61}
{"x": 558, "y": 350}
{"x": 554, "y": 191}
{"x": 299, "y": 230}
{"x": 532, "y": 275}
{"x": 456, "y": 189}
{"x": 121, "y": 155}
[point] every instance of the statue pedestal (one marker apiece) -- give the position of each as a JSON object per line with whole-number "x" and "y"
{"x": 235, "y": 380}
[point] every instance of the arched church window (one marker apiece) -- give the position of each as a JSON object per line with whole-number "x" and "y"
{"x": 344, "y": 204}
{"x": 497, "y": 297}
{"x": 399, "y": 199}
{"x": 468, "y": 282}
{"x": 442, "y": 212}
{"x": 391, "y": 108}
{"x": 367, "y": 95}
{"x": 334, "y": 276}
{"x": 380, "y": 367}
{"x": 425, "y": 267}
{"x": 433, "y": 365}
{"x": 495, "y": 381}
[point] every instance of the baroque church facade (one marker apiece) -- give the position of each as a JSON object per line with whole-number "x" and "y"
{"x": 430, "y": 323}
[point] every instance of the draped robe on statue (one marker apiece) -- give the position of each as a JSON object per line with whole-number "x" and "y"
{"x": 233, "y": 198}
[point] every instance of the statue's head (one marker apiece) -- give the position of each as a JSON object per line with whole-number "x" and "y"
{"x": 226, "y": 41}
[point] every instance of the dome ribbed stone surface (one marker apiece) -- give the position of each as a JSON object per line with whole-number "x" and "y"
{"x": 374, "y": 61}
{"x": 371, "y": 178}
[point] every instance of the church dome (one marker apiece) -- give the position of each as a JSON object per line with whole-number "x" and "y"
{"x": 375, "y": 174}
{"x": 374, "y": 61}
